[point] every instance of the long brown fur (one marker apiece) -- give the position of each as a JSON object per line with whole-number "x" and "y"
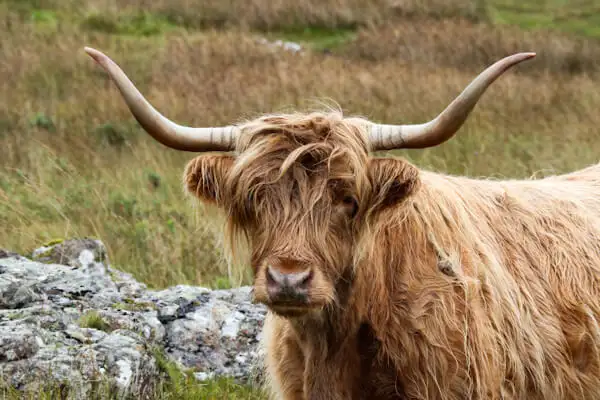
{"x": 426, "y": 286}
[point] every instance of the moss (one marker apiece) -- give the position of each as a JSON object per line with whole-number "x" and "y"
{"x": 41, "y": 256}
{"x": 113, "y": 276}
{"x": 132, "y": 305}
{"x": 50, "y": 249}
{"x": 15, "y": 316}
{"x": 53, "y": 242}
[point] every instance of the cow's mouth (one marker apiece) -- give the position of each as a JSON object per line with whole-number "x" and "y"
{"x": 290, "y": 310}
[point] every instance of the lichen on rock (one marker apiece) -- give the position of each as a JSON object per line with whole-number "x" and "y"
{"x": 74, "y": 252}
{"x": 67, "y": 316}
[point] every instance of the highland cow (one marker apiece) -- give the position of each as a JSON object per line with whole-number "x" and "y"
{"x": 386, "y": 281}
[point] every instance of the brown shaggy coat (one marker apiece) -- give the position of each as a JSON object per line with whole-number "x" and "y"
{"x": 426, "y": 286}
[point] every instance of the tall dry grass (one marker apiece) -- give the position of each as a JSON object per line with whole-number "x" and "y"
{"x": 463, "y": 44}
{"x": 268, "y": 14}
{"x": 75, "y": 163}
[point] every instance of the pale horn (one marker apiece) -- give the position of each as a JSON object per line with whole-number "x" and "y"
{"x": 449, "y": 121}
{"x": 159, "y": 127}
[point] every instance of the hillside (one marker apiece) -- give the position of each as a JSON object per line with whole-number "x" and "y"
{"x": 75, "y": 163}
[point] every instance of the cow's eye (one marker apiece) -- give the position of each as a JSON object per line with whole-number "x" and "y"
{"x": 351, "y": 205}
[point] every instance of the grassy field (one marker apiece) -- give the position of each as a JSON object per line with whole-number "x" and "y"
{"x": 75, "y": 163}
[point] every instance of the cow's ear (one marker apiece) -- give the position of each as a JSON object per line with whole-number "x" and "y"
{"x": 205, "y": 176}
{"x": 392, "y": 180}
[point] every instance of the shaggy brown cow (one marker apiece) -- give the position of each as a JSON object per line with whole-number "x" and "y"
{"x": 386, "y": 281}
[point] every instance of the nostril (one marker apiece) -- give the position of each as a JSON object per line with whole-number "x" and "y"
{"x": 299, "y": 280}
{"x": 304, "y": 278}
{"x": 274, "y": 276}
{"x": 274, "y": 287}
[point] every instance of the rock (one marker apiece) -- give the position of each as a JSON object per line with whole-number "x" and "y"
{"x": 288, "y": 46}
{"x": 127, "y": 360}
{"x": 214, "y": 332}
{"x": 67, "y": 316}
{"x": 17, "y": 343}
{"x": 18, "y": 295}
{"x": 75, "y": 252}
{"x": 85, "y": 335}
{"x": 5, "y": 253}
{"x": 127, "y": 286}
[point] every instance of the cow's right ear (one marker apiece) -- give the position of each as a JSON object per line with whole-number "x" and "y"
{"x": 393, "y": 180}
{"x": 205, "y": 175}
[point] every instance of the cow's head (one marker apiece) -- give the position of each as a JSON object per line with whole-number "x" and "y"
{"x": 301, "y": 187}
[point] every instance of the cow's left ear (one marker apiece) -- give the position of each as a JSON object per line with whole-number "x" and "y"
{"x": 205, "y": 176}
{"x": 392, "y": 180}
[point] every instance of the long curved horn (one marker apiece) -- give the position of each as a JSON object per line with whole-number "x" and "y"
{"x": 159, "y": 127}
{"x": 449, "y": 121}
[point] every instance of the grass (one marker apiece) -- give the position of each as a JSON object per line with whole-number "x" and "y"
{"x": 139, "y": 24}
{"x": 182, "y": 385}
{"x": 557, "y": 53}
{"x": 580, "y": 17}
{"x": 74, "y": 162}
{"x": 92, "y": 319}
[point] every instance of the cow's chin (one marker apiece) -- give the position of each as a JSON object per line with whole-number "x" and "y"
{"x": 293, "y": 311}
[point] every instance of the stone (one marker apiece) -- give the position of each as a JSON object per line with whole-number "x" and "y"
{"x": 67, "y": 316}
{"x": 17, "y": 343}
{"x": 6, "y": 253}
{"x": 74, "y": 252}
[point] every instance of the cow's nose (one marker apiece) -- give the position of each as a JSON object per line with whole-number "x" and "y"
{"x": 288, "y": 286}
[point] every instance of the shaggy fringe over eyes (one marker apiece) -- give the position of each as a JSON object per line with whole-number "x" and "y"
{"x": 298, "y": 155}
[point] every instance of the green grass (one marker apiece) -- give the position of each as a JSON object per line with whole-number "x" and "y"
{"x": 580, "y": 17}
{"x": 138, "y": 24}
{"x": 92, "y": 319}
{"x": 182, "y": 385}
{"x": 77, "y": 164}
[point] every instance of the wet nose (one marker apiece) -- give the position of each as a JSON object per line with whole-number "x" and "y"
{"x": 288, "y": 286}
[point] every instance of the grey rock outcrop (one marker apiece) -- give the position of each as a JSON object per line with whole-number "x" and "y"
{"x": 67, "y": 316}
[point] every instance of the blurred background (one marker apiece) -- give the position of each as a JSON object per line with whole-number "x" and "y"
{"x": 74, "y": 162}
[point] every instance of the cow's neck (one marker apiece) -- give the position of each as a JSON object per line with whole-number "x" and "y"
{"x": 336, "y": 342}
{"x": 328, "y": 329}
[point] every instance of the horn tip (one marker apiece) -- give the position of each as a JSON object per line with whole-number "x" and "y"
{"x": 97, "y": 55}
{"x": 517, "y": 58}
{"x": 527, "y": 55}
